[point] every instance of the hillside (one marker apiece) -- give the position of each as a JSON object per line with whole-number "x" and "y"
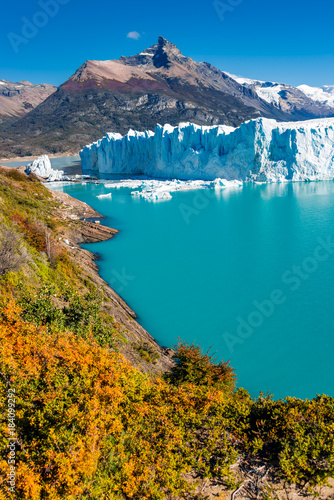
{"x": 158, "y": 85}
{"x": 101, "y": 411}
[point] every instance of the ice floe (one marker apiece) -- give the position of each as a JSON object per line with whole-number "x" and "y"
{"x": 101, "y": 196}
{"x": 159, "y": 190}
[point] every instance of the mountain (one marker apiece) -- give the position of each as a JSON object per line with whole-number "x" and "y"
{"x": 300, "y": 101}
{"x": 17, "y": 99}
{"x": 158, "y": 85}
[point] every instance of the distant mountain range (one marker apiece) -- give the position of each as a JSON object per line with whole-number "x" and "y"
{"x": 324, "y": 95}
{"x": 158, "y": 85}
{"x": 17, "y": 99}
{"x": 295, "y": 100}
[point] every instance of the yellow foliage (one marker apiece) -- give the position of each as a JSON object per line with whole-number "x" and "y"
{"x": 90, "y": 424}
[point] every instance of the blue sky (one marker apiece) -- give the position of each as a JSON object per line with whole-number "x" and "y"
{"x": 289, "y": 41}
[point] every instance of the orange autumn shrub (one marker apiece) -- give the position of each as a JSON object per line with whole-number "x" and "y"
{"x": 61, "y": 385}
{"x": 91, "y": 426}
{"x": 194, "y": 366}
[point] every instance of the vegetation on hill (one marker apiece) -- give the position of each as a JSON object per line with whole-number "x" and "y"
{"x": 88, "y": 424}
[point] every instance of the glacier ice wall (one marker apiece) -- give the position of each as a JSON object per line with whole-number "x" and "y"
{"x": 260, "y": 150}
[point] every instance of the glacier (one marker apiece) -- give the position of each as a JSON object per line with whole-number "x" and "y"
{"x": 260, "y": 150}
{"x": 42, "y": 167}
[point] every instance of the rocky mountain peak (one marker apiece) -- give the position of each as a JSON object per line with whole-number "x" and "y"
{"x": 167, "y": 46}
{"x": 160, "y": 55}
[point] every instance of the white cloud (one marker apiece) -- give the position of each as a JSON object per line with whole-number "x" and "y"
{"x": 134, "y": 35}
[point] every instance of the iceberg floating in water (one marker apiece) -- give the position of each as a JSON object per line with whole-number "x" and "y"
{"x": 260, "y": 150}
{"x": 42, "y": 168}
{"x": 101, "y": 196}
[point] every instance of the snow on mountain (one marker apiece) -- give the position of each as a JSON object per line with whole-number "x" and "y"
{"x": 242, "y": 80}
{"x": 261, "y": 150}
{"x": 271, "y": 93}
{"x": 288, "y": 98}
{"x": 268, "y": 91}
{"x": 324, "y": 95}
{"x": 156, "y": 85}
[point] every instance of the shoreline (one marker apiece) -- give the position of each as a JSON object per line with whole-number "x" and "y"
{"x": 85, "y": 231}
{"x": 15, "y": 159}
{"x": 76, "y": 231}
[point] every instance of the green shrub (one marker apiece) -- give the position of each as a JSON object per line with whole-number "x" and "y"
{"x": 147, "y": 352}
{"x": 298, "y": 434}
{"x": 14, "y": 174}
{"x": 38, "y": 307}
{"x": 79, "y": 313}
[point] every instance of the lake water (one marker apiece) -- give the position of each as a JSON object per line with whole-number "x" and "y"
{"x": 249, "y": 271}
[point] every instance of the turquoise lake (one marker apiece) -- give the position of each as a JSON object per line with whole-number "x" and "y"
{"x": 248, "y": 271}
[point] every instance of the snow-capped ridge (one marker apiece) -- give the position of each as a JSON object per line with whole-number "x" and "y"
{"x": 283, "y": 96}
{"x": 323, "y": 95}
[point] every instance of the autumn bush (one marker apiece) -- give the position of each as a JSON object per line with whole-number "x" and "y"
{"x": 33, "y": 230}
{"x": 91, "y": 426}
{"x": 194, "y": 366}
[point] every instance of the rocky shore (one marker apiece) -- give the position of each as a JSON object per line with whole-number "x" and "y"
{"x": 78, "y": 230}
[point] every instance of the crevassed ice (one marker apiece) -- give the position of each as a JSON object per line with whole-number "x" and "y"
{"x": 260, "y": 150}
